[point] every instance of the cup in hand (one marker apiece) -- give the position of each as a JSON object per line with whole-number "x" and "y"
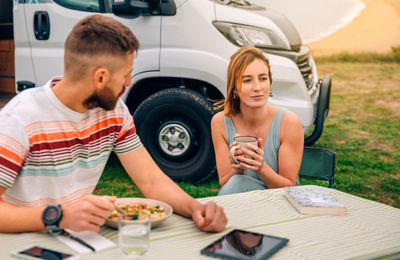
{"x": 134, "y": 235}
{"x": 242, "y": 142}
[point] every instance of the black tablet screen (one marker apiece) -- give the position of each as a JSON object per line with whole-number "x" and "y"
{"x": 240, "y": 244}
{"x": 44, "y": 253}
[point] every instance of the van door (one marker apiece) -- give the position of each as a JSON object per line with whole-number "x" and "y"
{"x": 49, "y": 22}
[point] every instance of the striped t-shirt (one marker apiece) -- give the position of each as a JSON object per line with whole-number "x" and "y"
{"x": 52, "y": 154}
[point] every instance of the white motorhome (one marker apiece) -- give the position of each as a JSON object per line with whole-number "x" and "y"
{"x": 180, "y": 67}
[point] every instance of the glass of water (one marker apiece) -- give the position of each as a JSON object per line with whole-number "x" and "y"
{"x": 134, "y": 234}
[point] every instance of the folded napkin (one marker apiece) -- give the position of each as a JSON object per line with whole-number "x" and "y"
{"x": 94, "y": 239}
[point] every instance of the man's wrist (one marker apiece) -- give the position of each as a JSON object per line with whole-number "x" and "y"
{"x": 61, "y": 224}
{"x": 51, "y": 218}
{"x": 195, "y": 205}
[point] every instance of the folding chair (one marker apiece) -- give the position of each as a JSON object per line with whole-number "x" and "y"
{"x": 318, "y": 163}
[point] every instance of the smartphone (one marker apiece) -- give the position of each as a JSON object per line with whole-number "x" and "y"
{"x": 36, "y": 252}
{"x": 243, "y": 245}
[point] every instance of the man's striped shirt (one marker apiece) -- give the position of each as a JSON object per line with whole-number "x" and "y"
{"x": 51, "y": 154}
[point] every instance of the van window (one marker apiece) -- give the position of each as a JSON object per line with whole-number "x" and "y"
{"x": 87, "y": 5}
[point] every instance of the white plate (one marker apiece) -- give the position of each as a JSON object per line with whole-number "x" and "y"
{"x": 114, "y": 222}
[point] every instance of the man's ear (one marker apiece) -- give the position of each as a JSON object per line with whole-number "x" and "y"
{"x": 101, "y": 77}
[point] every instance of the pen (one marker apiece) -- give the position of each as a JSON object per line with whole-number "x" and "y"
{"x": 67, "y": 234}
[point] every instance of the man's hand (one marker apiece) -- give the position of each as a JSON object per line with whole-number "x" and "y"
{"x": 156, "y": 185}
{"x": 210, "y": 217}
{"x": 88, "y": 213}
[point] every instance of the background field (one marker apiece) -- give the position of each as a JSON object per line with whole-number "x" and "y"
{"x": 363, "y": 127}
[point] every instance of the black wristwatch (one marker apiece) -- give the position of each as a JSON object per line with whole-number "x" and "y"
{"x": 51, "y": 217}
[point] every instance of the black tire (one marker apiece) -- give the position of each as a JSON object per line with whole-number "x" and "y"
{"x": 322, "y": 110}
{"x": 174, "y": 126}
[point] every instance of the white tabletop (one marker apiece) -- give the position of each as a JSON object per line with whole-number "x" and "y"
{"x": 369, "y": 229}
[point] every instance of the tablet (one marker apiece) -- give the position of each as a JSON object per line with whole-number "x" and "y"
{"x": 36, "y": 252}
{"x": 241, "y": 244}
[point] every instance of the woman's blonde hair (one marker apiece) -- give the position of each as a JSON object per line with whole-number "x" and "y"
{"x": 237, "y": 65}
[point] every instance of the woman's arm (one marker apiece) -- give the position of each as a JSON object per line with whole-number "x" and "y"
{"x": 289, "y": 156}
{"x": 225, "y": 167}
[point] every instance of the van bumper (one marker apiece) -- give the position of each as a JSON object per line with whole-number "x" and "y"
{"x": 322, "y": 110}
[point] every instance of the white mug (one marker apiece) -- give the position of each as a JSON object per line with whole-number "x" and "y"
{"x": 242, "y": 142}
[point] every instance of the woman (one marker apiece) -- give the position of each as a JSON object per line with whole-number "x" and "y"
{"x": 276, "y": 161}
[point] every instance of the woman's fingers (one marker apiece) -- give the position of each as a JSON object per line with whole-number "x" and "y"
{"x": 256, "y": 149}
{"x": 260, "y": 143}
{"x": 254, "y": 159}
{"x": 233, "y": 144}
{"x": 254, "y": 152}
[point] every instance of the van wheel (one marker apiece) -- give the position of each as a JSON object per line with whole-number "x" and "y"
{"x": 174, "y": 126}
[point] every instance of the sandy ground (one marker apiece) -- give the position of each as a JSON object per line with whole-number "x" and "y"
{"x": 377, "y": 29}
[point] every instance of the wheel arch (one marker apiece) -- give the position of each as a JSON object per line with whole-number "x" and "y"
{"x": 148, "y": 86}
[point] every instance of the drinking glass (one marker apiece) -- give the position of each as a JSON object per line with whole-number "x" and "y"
{"x": 134, "y": 235}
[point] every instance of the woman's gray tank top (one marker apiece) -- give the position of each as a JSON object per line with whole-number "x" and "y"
{"x": 271, "y": 145}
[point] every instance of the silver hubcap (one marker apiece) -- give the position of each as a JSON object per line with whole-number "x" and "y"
{"x": 174, "y": 139}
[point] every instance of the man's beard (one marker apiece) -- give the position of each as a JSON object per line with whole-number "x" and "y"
{"x": 103, "y": 98}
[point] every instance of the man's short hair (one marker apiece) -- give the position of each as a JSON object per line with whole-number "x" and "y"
{"x": 97, "y": 41}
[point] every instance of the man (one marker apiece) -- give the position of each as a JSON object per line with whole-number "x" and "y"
{"x": 55, "y": 141}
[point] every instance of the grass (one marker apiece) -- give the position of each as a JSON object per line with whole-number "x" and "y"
{"x": 363, "y": 127}
{"x": 116, "y": 182}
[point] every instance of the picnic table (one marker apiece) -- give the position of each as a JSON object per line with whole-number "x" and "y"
{"x": 368, "y": 230}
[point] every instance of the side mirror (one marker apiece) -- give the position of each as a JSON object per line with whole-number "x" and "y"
{"x": 131, "y": 8}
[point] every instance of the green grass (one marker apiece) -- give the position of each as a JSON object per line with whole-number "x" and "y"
{"x": 363, "y": 128}
{"x": 115, "y": 181}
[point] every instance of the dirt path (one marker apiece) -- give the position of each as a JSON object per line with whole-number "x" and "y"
{"x": 377, "y": 29}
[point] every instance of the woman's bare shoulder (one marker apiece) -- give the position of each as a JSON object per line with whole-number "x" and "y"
{"x": 291, "y": 125}
{"x": 218, "y": 126}
{"x": 218, "y": 118}
{"x": 290, "y": 118}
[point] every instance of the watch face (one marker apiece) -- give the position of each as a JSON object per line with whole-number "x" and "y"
{"x": 51, "y": 217}
{"x": 51, "y": 214}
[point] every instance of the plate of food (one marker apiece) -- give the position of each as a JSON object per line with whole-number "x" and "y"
{"x": 158, "y": 210}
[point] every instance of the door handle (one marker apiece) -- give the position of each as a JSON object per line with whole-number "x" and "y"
{"x": 41, "y": 25}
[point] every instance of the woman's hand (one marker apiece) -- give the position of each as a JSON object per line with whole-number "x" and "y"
{"x": 237, "y": 154}
{"x": 255, "y": 156}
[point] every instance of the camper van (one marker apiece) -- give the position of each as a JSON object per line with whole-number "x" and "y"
{"x": 181, "y": 67}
